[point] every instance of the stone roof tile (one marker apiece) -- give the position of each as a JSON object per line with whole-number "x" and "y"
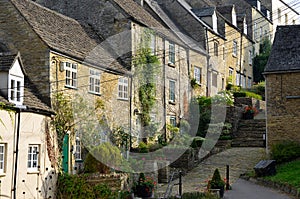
{"x": 285, "y": 53}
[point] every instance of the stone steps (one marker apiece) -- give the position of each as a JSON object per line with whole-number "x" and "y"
{"x": 251, "y": 133}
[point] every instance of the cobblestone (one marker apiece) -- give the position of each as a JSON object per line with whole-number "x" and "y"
{"x": 240, "y": 160}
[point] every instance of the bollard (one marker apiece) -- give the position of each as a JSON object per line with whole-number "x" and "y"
{"x": 227, "y": 177}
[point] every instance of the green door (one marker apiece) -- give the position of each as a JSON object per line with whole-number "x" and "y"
{"x": 66, "y": 154}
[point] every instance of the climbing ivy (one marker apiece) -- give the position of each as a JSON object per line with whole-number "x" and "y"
{"x": 146, "y": 67}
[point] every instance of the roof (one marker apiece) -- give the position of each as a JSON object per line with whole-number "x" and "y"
{"x": 225, "y": 9}
{"x": 204, "y": 12}
{"x": 6, "y": 61}
{"x": 31, "y": 101}
{"x": 59, "y": 32}
{"x": 285, "y": 53}
{"x": 139, "y": 14}
{"x": 165, "y": 18}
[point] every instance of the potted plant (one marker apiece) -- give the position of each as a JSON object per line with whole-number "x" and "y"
{"x": 217, "y": 183}
{"x": 249, "y": 112}
{"x": 144, "y": 186}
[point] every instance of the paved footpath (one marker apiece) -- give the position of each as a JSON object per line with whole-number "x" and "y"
{"x": 240, "y": 160}
{"x": 243, "y": 189}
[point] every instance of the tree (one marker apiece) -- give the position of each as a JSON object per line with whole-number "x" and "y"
{"x": 260, "y": 60}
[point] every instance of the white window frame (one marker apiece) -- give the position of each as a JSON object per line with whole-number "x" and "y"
{"x": 77, "y": 153}
{"x": 237, "y": 78}
{"x": 216, "y": 48}
{"x": 173, "y": 121}
{"x": 172, "y": 88}
{"x": 255, "y": 30}
{"x": 2, "y": 157}
{"x": 71, "y": 74}
{"x": 250, "y": 57}
{"x": 197, "y": 74}
{"x": 235, "y": 48}
{"x": 171, "y": 53}
{"x": 16, "y": 90}
{"x": 33, "y": 157}
{"x": 245, "y": 27}
{"x": 123, "y": 88}
{"x": 94, "y": 81}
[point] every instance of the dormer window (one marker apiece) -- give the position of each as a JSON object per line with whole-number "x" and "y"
{"x": 15, "y": 90}
{"x": 268, "y": 14}
{"x": 258, "y": 5}
{"x": 233, "y": 16}
{"x": 245, "y": 27}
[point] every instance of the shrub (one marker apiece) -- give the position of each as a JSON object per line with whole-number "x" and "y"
{"x": 197, "y": 142}
{"x": 285, "y": 151}
{"x": 239, "y": 94}
{"x": 106, "y": 154}
{"x": 253, "y": 95}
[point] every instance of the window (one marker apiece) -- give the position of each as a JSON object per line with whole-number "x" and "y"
{"x": 235, "y": 48}
{"x": 259, "y": 5}
{"x": 237, "y": 78}
{"x": 216, "y": 45}
{"x": 279, "y": 15}
{"x": 250, "y": 57}
{"x": 123, "y": 88}
{"x": 71, "y": 74}
{"x": 249, "y": 82}
{"x": 255, "y": 30}
{"x": 94, "y": 81}
{"x": 15, "y": 90}
{"x": 153, "y": 44}
{"x": 230, "y": 72}
{"x": 173, "y": 121}
{"x": 294, "y": 21}
{"x": 245, "y": 27}
{"x": 172, "y": 91}
{"x": 77, "y": 149}
{"x": 171, "y": 53}
{"x": 261, "y": 32}
{"x": 33, "y": 157}
{"x": 223, "y": 53}
{"x": 286, "y": 19}
{"x": 2, "y": 158}
{"x": 197, "y": 74}
{"x": 215, "y": 79}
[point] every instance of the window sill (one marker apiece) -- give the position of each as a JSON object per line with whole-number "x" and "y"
{"x": 171, "y": 64}
{"x": 33, "y": 172}
{"x": 233, "y": 55}
{"x": 71, "y": 87}
{"x": 123, "y": 99}
{"x": 2, "y": 174}
{"x": 94, "y": 93}
{"x": 172, "y": 102}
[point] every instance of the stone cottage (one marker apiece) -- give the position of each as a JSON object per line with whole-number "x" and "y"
{"x": 28, "y": 149}
{"x": 282, "y": 74}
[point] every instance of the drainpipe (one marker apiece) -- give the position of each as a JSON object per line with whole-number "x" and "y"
{"x": 164, "y": 95}
{"x": 19, "y": 108}
{"x": 130, "y": 114}
{"x": 241, "y": 51}
{"x": 207, "y": 68}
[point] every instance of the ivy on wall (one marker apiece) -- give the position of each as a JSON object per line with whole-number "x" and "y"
{"x": 146, "y": 67}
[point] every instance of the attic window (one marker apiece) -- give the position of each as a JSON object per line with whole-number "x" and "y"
{"x": 16, "y": 90}
{"x": 258, "y": 5}
{"x": 245, "y": 27}
{"x": 234, "y": 17}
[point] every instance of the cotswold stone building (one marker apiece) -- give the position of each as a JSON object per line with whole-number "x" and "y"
{"x": 282, "y": 75}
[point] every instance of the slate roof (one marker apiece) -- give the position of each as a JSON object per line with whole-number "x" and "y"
{"x": 139, "y": 14}
{"x": 60, "y": 33}
{"x": 285, "y": 53}
{"x": 31, "y": 101}
{"x": 225, "y": 9}
{"x": 204, "y": 12}
{"x": 6, "y": 61}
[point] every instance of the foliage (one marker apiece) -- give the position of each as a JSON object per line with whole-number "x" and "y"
{"x": 239, "y": 94}
{"x": 243, "y": 93}
{"x": 143, "y": 180}
{"x": 224, "y": 98}
{"x": 63, "y": 120}
{"x": 285, "y": 151}
{"x": 143, "y": 147}
{"x": 251, "y": 110}
{"x": 260, "y": 60}
{"x": 146, "y": 65}
{"x": 216, "y": 181}
{"x": 194, "y": 83}
{"x": 184, "y": 126}
{"x": 101, "y": 158}
{"x": 287, "y": 173}
{"x": 259, "y": 89}
{"x": 76, "y": 186}
{"x": 119, "y": 137}
{"x": 197, "y": 142}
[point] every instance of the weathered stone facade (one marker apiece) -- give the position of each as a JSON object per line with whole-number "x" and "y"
{"x": 283, "y": 115}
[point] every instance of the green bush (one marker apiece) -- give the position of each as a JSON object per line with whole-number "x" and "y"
{"x": 253, "y": 95}
{"x": 197, "y": 142}
{"x": 239, "y": 94}
{"x": 76, "y": 186}
{"x": 98, "y": 158}
{"x": 285, "y": 151}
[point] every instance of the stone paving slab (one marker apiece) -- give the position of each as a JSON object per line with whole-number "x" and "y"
{"x": 240, "y": 160}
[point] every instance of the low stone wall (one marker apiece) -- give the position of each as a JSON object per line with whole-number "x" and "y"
{"x": 116, "y": 181}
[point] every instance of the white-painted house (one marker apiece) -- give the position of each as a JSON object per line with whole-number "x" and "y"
{"x": 27, "y": 144}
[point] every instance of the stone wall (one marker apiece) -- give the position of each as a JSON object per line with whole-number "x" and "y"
{"x": 115, "y": 181}
{"x": 283, "y": 102}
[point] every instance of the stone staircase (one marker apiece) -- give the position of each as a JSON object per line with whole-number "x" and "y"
{"x": 250, "y": 133}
